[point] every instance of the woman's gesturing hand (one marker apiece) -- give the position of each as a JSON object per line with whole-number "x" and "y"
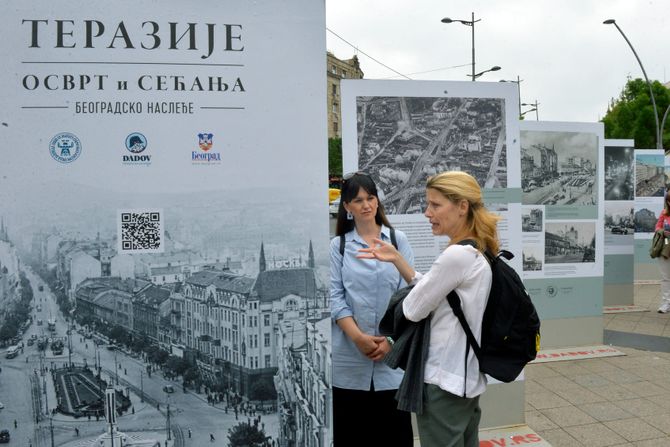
{"x": 382, "y": 251}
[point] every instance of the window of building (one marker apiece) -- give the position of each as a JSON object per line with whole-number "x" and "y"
{"x": 333, "y": 69}
{"x": 266, "y": 320}
{"x": 268, "y": 361}
{"x": 336, "y": 127}
{"x": 334, "y": 86}
{"x": 334, "y": 107}
{"x": 266, "y": 340}
{"x": 344, "y": 73}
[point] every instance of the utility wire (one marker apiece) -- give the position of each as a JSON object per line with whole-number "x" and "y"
{"x": 363, "y": 52}
{"x": 436, "y": 69}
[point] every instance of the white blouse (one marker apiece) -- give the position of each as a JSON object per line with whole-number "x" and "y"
{"x": 466, "y": 270}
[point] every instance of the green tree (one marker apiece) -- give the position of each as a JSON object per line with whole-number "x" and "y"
{"x": 631, "y": 116}
{"x": 246, "y": 435}
{"x": 335, "y": 157}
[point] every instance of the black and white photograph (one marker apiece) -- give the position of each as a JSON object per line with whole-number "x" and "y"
{"x": 649, "y": 175}
{"x": 619, "y": 173}
{"x": 645, "y": 219}
{"x": 559, "y": 168}
{"x": 531, "y": 220}
{"x": 619, "y": 222}
{"x": 569, "y": 242}
{"x": 211, "y": 331}
{"x": 532, "y": 258}
{"x": 404, "y": 140}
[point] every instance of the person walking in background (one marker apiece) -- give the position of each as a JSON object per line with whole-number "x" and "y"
{"x": 364, "y": 409}
{"x": 663, "y": 223}
{"x": 452, "y": 381}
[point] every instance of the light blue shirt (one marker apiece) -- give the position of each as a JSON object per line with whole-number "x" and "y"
{"x": 361, "y": 288}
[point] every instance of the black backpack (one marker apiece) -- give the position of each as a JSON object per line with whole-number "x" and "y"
{"x": 392, "y": 237}
{"x": 511, "y": 326}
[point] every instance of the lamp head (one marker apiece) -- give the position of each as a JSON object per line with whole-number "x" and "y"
{"x": 494, "y": 68}
{"x": 446, "y": 20}
{"x": 609, "y": 21}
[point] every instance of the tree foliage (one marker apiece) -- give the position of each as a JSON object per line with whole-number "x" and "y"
{"x": 335, "y": 157}
{"x": 246, "y": 435}
{"x": 631, "y": 116}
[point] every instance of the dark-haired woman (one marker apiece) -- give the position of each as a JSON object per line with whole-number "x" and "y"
{"x": 364, "y": 409}
{"x": 664, "y": 264}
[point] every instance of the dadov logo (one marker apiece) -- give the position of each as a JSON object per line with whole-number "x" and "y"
{"x": 65, "y": 147}
{"x": 136, "y": 143}
{"x": 205, "y": 141}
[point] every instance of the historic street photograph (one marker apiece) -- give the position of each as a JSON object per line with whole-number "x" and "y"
{"x": 559, "y": 168}
{"x": 619, "y": 162}
{"x": 532, "y": 258}
{"x": 215, "y": 337}
{"x": 649, "y": 175}
{"x": 531, "y": 220}
{"x": 404, "y": 140}
{"x": 645, "y": 218}
{"x": 619, "y": 222}
{"x": 569, "y": 242}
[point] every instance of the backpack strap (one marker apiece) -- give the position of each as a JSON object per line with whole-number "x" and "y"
{"x": 393, "y": 241}
{"x": 455, "y": 302}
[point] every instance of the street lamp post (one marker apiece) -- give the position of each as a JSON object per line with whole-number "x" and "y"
{"x": 470, "y": 23}
{"x": 534, "y": 109}
{"x": 518, "y": 87}
{"x": 659, "y": 136}
{"x": 494, "y": 68}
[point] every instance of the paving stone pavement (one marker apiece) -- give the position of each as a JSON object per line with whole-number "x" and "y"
{"x": 612, "y": 401}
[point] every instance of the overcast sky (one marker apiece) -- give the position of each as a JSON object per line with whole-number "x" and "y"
{"x": 567, "y": 59}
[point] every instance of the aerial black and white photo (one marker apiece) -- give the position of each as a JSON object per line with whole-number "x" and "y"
{"x": 404, "y": 140}
{"x": 569, "y": 242}
{"x": 619, "y": 173}
{"x": 207, "y": 333}
{"x": 559, "y": 168}
{"x": 649, "y": 175}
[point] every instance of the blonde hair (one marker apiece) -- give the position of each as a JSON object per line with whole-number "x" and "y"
{"x": 480, "y": 223}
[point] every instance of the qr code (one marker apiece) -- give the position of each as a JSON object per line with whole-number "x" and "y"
{"x": 140, "y": 231}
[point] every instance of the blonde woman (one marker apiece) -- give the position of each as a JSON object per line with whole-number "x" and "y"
{"x": 451, "y": 412}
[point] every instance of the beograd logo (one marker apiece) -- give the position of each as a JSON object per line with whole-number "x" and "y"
{"x": 205, "y": 143}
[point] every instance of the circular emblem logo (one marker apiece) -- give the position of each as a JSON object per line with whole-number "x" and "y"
{"x": 65, "y": 147}
{"x": 136, "y": 142}
{"x": 551, "y": 291}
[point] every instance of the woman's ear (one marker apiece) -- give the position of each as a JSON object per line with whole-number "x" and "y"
{"x": 463, "y": 207}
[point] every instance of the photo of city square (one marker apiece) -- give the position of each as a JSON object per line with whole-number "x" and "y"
{"x": 404, "y": 140}
{"x": 559, "y": 168}
{"x": 569, "y": 242}
{"x": 649, "y": 175}
{"x": 619, "y": 173}
{"x": 218, "y": 334}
